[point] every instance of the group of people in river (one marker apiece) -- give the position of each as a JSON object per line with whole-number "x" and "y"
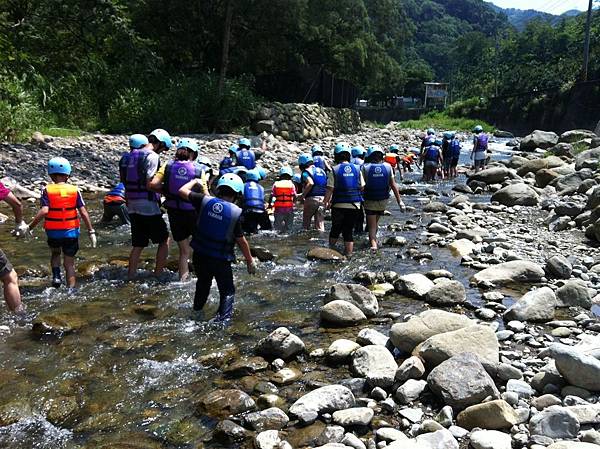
{"x": 210, "y": 211}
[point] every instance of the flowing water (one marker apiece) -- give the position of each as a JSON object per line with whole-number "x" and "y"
{"x": 136, "y": 363}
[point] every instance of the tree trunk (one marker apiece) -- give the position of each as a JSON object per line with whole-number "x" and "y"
{"x": 225, "y": 49}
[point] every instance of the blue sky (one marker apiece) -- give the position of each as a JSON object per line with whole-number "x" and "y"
{"x": 551, "y": 6}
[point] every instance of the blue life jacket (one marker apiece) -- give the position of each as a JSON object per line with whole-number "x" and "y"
{"x": 428, "y": 141}
{"x": 432, "y": 153}
{"x": 347, "y": 184}
{"x": 455, "y": 148}
{"x": 377, "y": 181}
{"x": 246, "y": 158}
{"x": 177, "y": 174}
{"x": 319, "y": 177}
{"x": 118, "y": 190}
{"x": 135, "y": 176}
{"x": 357, "y": 161}
{"x": 254, "y": 196}
{"x": 482, "y": 142}
{"x": 319, "y": 161}
{"x": 214, "y": 232}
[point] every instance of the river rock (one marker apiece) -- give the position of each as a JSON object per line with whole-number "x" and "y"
{"x": 576, "y": 135}
{"x": 578, "y": 368}
{"x": 356, "y": 294}
{"x": 353, "y": 441}
{"x": 574, "y": 294}
{"x": 280, "y": 343}
{"x": 535, "y": 165}
{"x": 228, "y": 432}
{"x": 558, "y": 267}
{"x": 223, "y": 403}
{"x": 539, "y": 139}
{"x": 586, "y": 413}
{"x": 572, "y": 445}
{"x": 495, "y": 415}
{"x": 490, "y": 439}
{"x": 270, "y": 419}
{"x": 513, "y": 272}
{"x": 270, "y": 439}
{"x": 440, "y": 439}
{"x": 554, "y": 422}
{"x": 587, "y": 155}
{"x": 446, "y": 292}
{"x": 462, "y": 247}
{"x": 411, "y": 368}
{"x": 56, "y": 323}
{"x": 286, "y": 376}
{"x": 545, "y": 177}
{"x": 340, "y": 350}
{"x": 246, "y": 366}
{"x": 369, "y": 336}
{"x": 406, "y": 336}
{"x": 326, "y": 399}
{"x": 410, "y": 391}
{"x": 461, "y": 381}
{"x": 536, "y": 305}
{"x": 414, "y": 285}
{"x": 493, "y": 175}
{"x": 359, "y": 416}
{"x": 480, "y": 340}
{"x": 516, "y": 195}
{"x": 342, "y": 313}
{"x": 324, "y": 255}
{"x": 62, "y": 411}
{"x": 376, "y": 364}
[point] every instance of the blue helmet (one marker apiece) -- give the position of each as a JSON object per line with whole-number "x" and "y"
{"x": 342, "y": 147}
{"x": 163, "y": 136}
{"x": 261, "y": 171}
{"x": 304, "y": 159}
{"x": 316, "y": 150}
{"x": 394, "y": 148}
{"x": 430, "y": 132}
{"x": 357, "y": 151}
{"x": 203, "y": 160}
{"x": 374, "y": 149}
{"x": 59, "y": 166}
{"x": 478, "y": 129}
{"x": 233, "y": 149}
{"x": 137, "y": 141}
{"x": 241, "y": 170}
{"x": 253, "y": 175}
{"x": 449, "y": 135}
{"x": 226, "y": 163}
{"x": 286, "y": 171}
{"x": 244, "y": 142}
{"x": 234, "y": 182}
{"x": 188, "y": 143}
{"x": 296, "y": 179}
{"x": 438, "y": 143}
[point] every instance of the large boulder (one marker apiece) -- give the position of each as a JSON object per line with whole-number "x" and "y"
{"x": 574, "y": 294}
{"x": 280, "y": 343}
{"x": 493, "y": 175}
{"x": 558, "y": 267}
{"x": 576, "y": 135}
{"x": 447, "y": 292}
{"x": 535, "y": 165}
{"x": 516, "y": 195}
{"x": 356, "y": 294}
{"x": 461, "y": 381}
{"x": 406, "y": 336}
{"x": 539, "y": 139}
{"x": 495, "y": 415}
{"x": 376, "y": 364}
{"x": 585, "y": 156}
{"x": 327, "y": 399}
{"x": 515, "y": 271}
{"x": 415, "y": 285}
{"x": 593, "y": 200}
{"x": 478, "y": 339}
{"x": 342, "y": 313}
{"x": 577, "y": 367}
{"x": 571, "y": 183}
{"x": 545, "y": 176}
{"x": 536, "y": 305}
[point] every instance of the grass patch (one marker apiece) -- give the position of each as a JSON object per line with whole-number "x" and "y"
{"x": 579, "y": 147}
{"x": 62, "y": 132}
{"x": 441, "y": 120}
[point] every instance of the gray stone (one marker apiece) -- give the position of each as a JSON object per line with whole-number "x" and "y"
{"x": 411, "y": 368}
{"x": 516, "y": 195}
{"x": 414, "y": 285}
{"x": 389, "y": 434}
{"x": 342, "y": 313}
{"x": 441, "y": 439}
{"x": 324, "y": 255}
{"x": 493, "y": 175}
{"x": 572, "y": 445}
{"x": 578, "y": 368}
{"x": 326, "y": 399}
{"x": 359, "y": 416}
{"x": 586, "y": 413}
{"x": 490, "y": 439}
{"x": 270, "y": 439}
{"x": 371, "y": 337}
{"x": 340, "y": 350}
{"x": 353, "y": 441}
{"x": 356, "y": 294}
{"x": 554, "y": 422}
{"x": 558, "y": 267}
{"x": 269, "y": 419}
{"x": 495, "y": 415}
{"x": 446, "y": 292}
{"x": 574, "y": 294}
{"x": 410, "y": 391}
{"x": 516, "y": 271}
{"x": 538, "y": 139}
{"x": 280, "y": 343}
{"x": 376, "y": 364}
{"x": 536, "y": 305}
{"x": 520, "y": 387}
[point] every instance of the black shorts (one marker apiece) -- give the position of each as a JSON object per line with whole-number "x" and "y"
{"x": 5, "y": 265}
{"x": 146, "y": 228}
{"x": 370, "y": 213}
{"x": 69, "y": 247}
{"x": 182, "y": 223}
{"x": 454, "y": 162}
{"x": 342, "y": 222}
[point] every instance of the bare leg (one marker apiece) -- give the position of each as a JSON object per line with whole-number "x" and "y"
{"x": 134, "y": 261}
{"x": 12, "y": 295}
{"x": 348, "y": 248}
{"x": 306, "y": 217}
{"x": 184, "y": 257}
{"x": 372, "y": 225}
{"x": 161, "y": 257}
{"x": 70, "y": 271}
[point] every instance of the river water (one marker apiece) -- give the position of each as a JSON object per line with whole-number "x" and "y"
{"x": 137, "y": 364}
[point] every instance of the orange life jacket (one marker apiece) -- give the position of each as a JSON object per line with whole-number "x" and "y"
{"x": 284, "y": 191}
{"x": 114, "y": 199}
{"x": 62, "y": 202}
{"x": 391, "y": 158}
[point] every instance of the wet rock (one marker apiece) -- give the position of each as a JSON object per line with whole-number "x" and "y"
{"x": 554, "y": 422}
{"x": 269, "y": 419}
{"x": 358, "y": 416}
{"x": 538, "y": 139}
{"x": 573, "y": 294}
{"x": 461, "y": 247}
{"x": 56, "y": 323}
{"x": 578, "y": 368}
{"x": 493, "y": 175}
{"x": 490, "y": 439}
{"x": 307, "y": 436}
{"x": 99, "y": 422}
{"x": 515, "y": 271}
{"x": 342, "y": 313}
{"x": 536, "y": 305}
{"x": 280, "y": 343}
{"x": 558, "y": 267}
{"x": 494, "y": 415}
{"x": 461, "y": 381}
{"x": 184, "y": 432}
{"x": 355, "y": 294}
{"x": 376, "y": 364}
{"x": 516, "y": 195}
{"x": 411, "y": 368}
{"x": 438, "y": 228}
{"x": 13, "y": 412}
{"x": 353, "y": 441}
{"x": 340, "y": 350}
{"x": 286, "y": 376}
{"x": 446, "y": 292}
{"x": 324, "y": 255}
{"x": 371, "y": 337}
{"x": 534, "y": 165}
{"x": 123, "y": 440}
{"x": 410, "y": 391}
{"x": 265, "y": 401}
{"x": 262, "y": 254}
{"x": 270, "y": 439}
{"x": 62, "y": 411}
{"x": 229, "y": 432}
{"x": 435, "y": 206}
{"x": 246, "y": 367}
{"x": 326, "y": 399}
{"x": 414, "y": 285}
{"x": 389, "y": 435}
{"x": 406, "y": 336}
{"x": 395, "y": 241}
{"x": 479, "y": 340}
{"x": 224, "y": 403}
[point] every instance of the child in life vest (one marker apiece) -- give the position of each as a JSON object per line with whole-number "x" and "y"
{"x": 216, "y": 233}
{"x": 114, "y": 204}
{"x": 61, "y": 203}
{"x": 283, "y": 196}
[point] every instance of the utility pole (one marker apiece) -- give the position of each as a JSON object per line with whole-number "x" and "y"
{"x": 586, "y": 47}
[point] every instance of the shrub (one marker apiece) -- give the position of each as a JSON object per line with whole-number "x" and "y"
{"x": 20, "y": 113}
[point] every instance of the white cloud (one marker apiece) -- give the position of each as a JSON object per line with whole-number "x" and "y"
{"x": 551, "y": 6}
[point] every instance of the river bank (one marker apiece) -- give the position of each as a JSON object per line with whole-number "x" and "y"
{"x": 472, "y": 266}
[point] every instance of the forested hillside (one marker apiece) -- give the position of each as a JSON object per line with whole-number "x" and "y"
{"x": 120, "y": 66}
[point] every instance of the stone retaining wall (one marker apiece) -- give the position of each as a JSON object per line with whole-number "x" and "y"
{"x": 300, "y": 122}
